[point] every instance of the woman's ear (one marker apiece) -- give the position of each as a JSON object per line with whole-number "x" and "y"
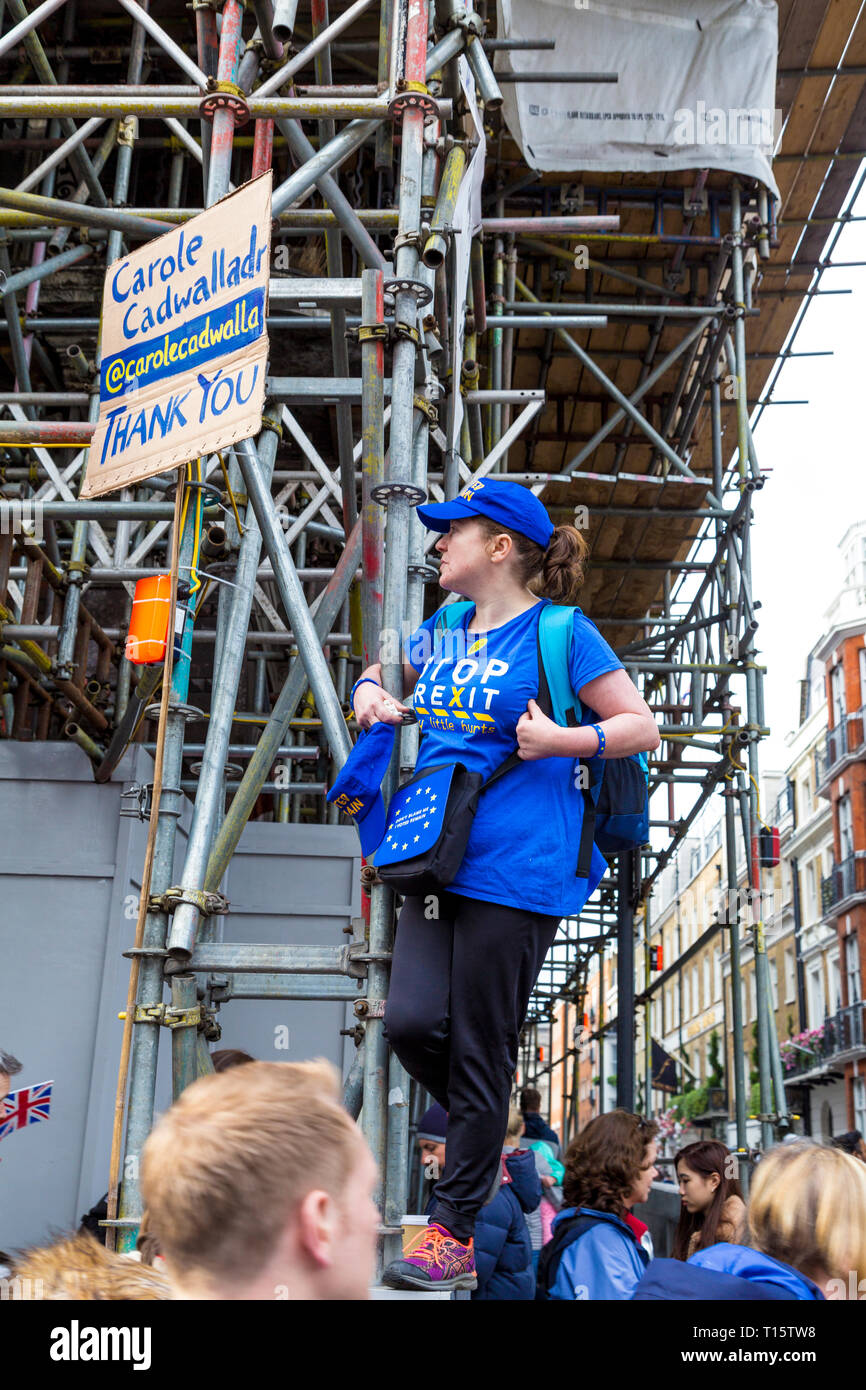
{"x": 499, "y": 551}
{"x": 714, "y": 1180}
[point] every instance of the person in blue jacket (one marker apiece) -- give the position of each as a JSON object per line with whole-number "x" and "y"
{"x": 807, "y": 1234}
{"x": 465, "y": 965}
{"x": 503, "y": 1248}
{"x": 598, "y": 1249}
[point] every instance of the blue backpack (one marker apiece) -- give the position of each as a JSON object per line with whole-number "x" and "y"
{"x": 615, "y": 797}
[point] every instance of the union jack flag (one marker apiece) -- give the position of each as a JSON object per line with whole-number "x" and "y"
{"x": 25, "y": 1107}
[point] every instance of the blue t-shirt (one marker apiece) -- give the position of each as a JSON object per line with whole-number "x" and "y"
{"x": 472, "y": 689}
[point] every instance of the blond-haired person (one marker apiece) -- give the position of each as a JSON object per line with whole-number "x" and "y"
{"x": 806, "y": 1236}
{"x": 258, "y": 1185}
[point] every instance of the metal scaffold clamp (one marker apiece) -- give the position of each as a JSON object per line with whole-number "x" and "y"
{"x": 369, "y": 332}
{"x": 138, "y": 796}
{"x": 427, "y": 408}
{"x": 369, "y": 1008}
{"x": 383, "y": 493}
{"x": 224, "y": 96}
{"x": 413, "y": 96}
{"x": 423, "y": 293}
{"x": 167, "y": 1016}
{"x": 427, "y": 573}
{"x": 471, "y": 23}
{"x": 208, "y": 904}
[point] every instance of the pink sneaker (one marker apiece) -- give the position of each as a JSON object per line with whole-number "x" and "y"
{"x": 434, "y": 1260}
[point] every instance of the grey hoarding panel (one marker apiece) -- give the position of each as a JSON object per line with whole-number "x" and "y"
{"x": 70, "y": 869}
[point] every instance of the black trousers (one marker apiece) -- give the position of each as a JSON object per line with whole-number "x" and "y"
{"x": 460, "y": 986}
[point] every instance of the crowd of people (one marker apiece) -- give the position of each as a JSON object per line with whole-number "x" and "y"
{"x": 257, "y": 1184}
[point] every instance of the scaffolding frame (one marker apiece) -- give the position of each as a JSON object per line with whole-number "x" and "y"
{"x": 406, "y": 131}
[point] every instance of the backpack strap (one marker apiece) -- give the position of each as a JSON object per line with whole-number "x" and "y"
{"x": 555, "y": 632}
{"x": 565, "y": 1234}
{"x": 451, "y": 614}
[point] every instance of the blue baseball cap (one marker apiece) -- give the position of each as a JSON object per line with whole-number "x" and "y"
{"x": 357, "y": 788}
{"x": 510, "y": 504}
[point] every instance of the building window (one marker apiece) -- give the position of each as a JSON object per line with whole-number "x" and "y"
{"x": 786, "y": 881}
{"x": 860, "y": 1104}
{"x": 817, "y": 1012}
{"x": 675, "y": 994}
{"x": 834, "y": 984}
{"x": 687, "y": 996}
{"x": 790, "y": 976}
{"x": 811, "y": 897}
{"x": 846, "y": 828}
{"x": 753, "y": 995}
{"x": 837, "y": 694}
{"x": 774, "y": 983}
{"x": 717, "y": 973}
{"x": 706, "y": 973}
{"x": 696, "y": 991}
{"x": 852, "y": 968}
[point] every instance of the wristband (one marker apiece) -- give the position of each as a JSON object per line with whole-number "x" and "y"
{"x": 601, "y": 741}
{"x": 361, "y": 682}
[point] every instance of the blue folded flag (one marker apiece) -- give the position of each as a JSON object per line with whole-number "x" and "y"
{"x": 357, "y": 788}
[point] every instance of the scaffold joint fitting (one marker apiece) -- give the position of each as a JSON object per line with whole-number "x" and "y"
{"x": 369, "y": 1008}
{"x": 370, "y": 332}
{"x": 414, "y": 96}
{"x": 208, "y": 904}
{"x": 182, "y": 1018}
{"x": 383, "y": 493}
{"x": 423, "y": 293}
{"x": 127, "y": 131}
{"x": 225, "y": 96}
{"x": 406, "y": 330}
{"x": 414, "y": 238}
{"x": 427, "y": 408}
{"x": 471, "y": 23}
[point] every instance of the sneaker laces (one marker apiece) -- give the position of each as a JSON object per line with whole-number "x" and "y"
{"x": 437, "y": 1246}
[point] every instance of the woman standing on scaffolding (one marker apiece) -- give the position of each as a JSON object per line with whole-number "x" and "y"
{"x": 461, "y": 982}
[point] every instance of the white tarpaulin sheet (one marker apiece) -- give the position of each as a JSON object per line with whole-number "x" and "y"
{"x": 696, "y": 88}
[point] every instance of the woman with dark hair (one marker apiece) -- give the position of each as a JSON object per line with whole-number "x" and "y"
{"x": 806, "y": 1241}
{"x": 599, "y": 1249}
{"x": 713, "y": 1209}
{"x": 466, "y": 959}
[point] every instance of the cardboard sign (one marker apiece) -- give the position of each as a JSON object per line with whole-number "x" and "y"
{"x": 184, "y": 343}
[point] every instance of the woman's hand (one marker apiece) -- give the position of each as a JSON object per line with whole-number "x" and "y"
{"x": 373, "y": 705}
{"x": 538, "y": 736}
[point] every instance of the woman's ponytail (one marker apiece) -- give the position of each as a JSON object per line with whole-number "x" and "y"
{"x": 556, "y": 573}
{"x": 563, "y": 567}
